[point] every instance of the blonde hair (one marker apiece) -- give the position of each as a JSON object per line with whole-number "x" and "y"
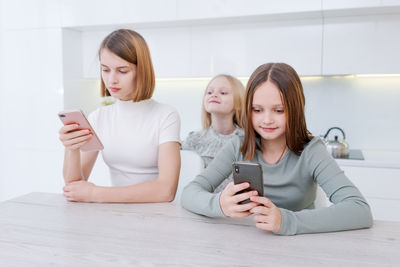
{"x": 237, "y": 94}
{"x": 131, "y": 46}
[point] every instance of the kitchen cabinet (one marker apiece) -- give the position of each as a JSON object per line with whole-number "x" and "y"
{"x": 380, "y": 186}
{"x": 237, "y": 49}
{"x": 363, "y": 44}
{"x": 352, "y": 4}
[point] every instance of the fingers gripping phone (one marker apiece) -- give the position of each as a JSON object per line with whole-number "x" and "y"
{"x": 77, "y": 116}
{"x": 251, "y": 173}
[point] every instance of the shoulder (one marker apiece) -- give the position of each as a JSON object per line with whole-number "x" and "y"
{"x": 315, "y": 146}
{"x": 239, "y": 132}
{"x": 194, "y": 139}
{"x": 236, "y": 142}
{"x": 196, "y": 134}
{"x": 315, "y": 154}
{"x": 161, "y": 107}
{"x": 100, "y": 113}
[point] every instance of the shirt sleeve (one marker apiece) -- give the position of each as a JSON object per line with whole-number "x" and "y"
{"x": 198, "y": 195}
{"x": 170, "y": 127}
{"x": 349, "y": 211}
{"x": 187, "y": 144}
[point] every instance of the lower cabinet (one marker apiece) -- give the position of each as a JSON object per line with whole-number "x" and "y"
{"x": 380, "y": 186}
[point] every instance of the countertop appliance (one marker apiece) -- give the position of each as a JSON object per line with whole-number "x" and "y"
{"x": 340, "y": 148}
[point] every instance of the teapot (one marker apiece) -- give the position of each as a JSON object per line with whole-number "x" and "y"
{"x": 337, "y": 148}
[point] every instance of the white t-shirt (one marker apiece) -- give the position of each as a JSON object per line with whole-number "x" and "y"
{"x": 131, "y": 133}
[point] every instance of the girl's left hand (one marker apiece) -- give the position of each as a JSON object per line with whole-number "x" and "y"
{"x": 267, "y": 215}
{"x": 80, "y": 191}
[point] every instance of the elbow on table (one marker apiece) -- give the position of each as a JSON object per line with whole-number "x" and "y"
{"x": 168, "y": 194}
{"x": 370, "y": 219}
{"x": 187, "y": 196}
{"x": 366, "y": 214}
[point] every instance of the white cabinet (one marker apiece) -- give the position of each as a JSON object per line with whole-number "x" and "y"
{"x": 380, "y": 186}
{"x": 364, "y": 44}
{"x": 351, "y": 4}
{"x": 239, "y": 49}
{"x": 195, "y": 9}
{"x": 26, "y": 14}
{"x": 77, "y": 13}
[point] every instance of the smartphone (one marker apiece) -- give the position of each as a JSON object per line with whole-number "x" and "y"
{"x": 77, "y": 116}
{"x": 251, "y": 173}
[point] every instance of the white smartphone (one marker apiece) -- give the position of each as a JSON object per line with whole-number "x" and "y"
{"x": 78, "y": 117}
{"x": 251, "y": 173}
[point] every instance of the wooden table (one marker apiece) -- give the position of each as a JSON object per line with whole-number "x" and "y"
{"x": 41, "y": 229}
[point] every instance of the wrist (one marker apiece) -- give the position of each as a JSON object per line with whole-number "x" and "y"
{"x": 220, "y": 205}
{"x": 97, "y": 194}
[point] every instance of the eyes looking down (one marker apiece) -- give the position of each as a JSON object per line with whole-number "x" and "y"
{"x": 119, "y": 75}
{"x": 268, "y": 113}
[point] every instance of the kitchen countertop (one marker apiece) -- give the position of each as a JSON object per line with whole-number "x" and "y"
{"x": 374, "y": 159}
{"x": 41, "y": 229}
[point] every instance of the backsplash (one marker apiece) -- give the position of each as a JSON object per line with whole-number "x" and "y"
{"x": 366, "y": 108}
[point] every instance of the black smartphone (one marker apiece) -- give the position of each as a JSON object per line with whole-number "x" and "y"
{"x": 251, "y": 173}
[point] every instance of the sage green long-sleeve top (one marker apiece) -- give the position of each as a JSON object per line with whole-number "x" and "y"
{"x": 291, "y": 185}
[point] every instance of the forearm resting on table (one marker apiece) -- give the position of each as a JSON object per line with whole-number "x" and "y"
{"x": 72, "y": 170}
{"x": 153, "y": 191}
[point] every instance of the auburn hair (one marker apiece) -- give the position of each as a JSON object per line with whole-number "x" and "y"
{"x": 131, "y": 46}
{"x": 291, "y": 90}
{"x": 237, "y": 94}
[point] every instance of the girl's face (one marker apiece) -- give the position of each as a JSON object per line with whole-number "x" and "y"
{"x": 218, "y": 98}
{"x": 268, "y": 114}
{"x": 119, "y": 75}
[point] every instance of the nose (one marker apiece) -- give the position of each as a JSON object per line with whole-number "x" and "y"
{"x": 268, "y": 118}
{"x": 113, "y": 78}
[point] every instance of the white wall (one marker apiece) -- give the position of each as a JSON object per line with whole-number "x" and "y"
{"x": 2, "y": 111}
{"x": 31, "y": 81}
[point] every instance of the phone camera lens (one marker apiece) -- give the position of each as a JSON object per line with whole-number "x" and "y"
{"x": 237, "y": 169}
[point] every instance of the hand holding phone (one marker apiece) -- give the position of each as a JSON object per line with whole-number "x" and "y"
{"x": 229, "y": 200}
{"x": 77, "y": 132}
{"x": 251, "y": 173}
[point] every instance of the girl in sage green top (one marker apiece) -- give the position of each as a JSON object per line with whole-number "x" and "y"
{"x": 293, "y": 163}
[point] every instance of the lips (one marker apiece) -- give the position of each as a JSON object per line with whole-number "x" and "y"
{"x": 268, "y": 129}
{"x": 213, "y": 101}
{"x": 114, "y": 89}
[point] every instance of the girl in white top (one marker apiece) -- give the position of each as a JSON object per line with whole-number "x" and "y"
{"x": 221, "y": 119}
{"x": 140, "y": 136}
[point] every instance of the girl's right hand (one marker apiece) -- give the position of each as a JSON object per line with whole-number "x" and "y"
{"x": 229, "y": 200}
{"x": 72, "y": 138}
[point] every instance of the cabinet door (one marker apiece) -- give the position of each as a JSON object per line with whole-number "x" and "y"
{"x": 380, "y": 186}
{"x": 239, "y": 49}
{"x": 361, "y": 45}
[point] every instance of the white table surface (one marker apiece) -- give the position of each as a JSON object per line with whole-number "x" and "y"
{"x": 41, "y": 229}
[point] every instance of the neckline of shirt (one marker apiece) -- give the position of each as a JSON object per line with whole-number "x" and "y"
{"x": 215, "y": 133}
{"x": 130, "y": 106}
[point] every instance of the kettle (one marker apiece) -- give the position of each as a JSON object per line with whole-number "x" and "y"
{"x": 338, "y": 149}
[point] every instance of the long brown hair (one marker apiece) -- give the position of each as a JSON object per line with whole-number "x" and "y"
{"x": 291, "y": 89}
{"x": 131, "y": 46}
{"x": 237, "y": 94}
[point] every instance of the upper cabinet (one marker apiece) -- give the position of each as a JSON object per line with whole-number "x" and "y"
{"x": 362, "y": 44}
{"x": 191, "y": 38}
